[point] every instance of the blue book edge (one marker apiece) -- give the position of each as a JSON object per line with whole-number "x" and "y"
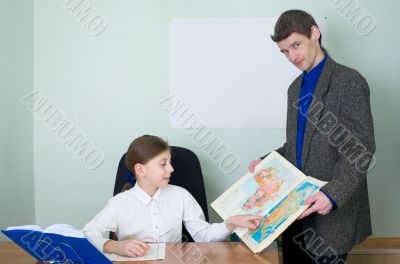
{"x": 56, "y": 248}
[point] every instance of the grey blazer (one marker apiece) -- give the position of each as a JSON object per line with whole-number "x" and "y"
{"x": 338, "y": 146}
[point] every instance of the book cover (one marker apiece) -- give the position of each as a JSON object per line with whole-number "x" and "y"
{"x": 56, "y": 244}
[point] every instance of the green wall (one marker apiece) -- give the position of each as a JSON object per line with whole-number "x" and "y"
{"x": 16, "y": 132}
{"x": 109, "y": 86}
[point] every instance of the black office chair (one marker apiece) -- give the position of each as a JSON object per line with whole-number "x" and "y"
{"x": 187, "y": 174}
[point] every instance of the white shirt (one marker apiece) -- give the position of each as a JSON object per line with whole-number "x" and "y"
{"x": 159, "y": 218}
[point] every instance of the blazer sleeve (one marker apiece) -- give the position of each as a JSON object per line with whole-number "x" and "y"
{"x": 355, "y": 115}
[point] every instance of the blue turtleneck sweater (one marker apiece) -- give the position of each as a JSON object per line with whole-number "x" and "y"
{"x": 310, "y": 80}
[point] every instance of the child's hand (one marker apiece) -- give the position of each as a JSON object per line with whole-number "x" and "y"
{"x": 130, "y": 248}
{"x": 249, "y": 221}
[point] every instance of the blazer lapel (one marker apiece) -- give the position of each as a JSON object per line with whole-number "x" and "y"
{"x": 291, "y": 127}
{"x": 316, "y": 107}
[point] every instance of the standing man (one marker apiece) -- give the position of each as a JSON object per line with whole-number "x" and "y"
{"x": 329, "y": 136}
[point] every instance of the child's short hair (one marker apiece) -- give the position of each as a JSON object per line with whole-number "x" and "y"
{"x": 143, "y": 149}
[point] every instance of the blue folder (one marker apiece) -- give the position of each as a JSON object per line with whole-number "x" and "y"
{"x": 56, "y": 248}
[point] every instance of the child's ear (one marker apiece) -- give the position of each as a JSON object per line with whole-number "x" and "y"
{"x": 139, "y": 170}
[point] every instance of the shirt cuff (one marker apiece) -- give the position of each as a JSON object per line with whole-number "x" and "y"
{"x": 334, "y": 205}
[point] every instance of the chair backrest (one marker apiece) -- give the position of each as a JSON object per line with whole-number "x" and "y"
{"x": 187, "y": 174}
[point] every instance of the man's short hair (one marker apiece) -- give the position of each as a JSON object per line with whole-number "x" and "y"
{"x": 292, "y": 21}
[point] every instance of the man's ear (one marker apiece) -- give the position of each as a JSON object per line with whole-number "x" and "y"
{"x": 315, "y": 33}
{"x": 139, "y": 170}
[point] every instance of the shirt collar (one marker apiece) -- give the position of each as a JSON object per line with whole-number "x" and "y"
{"x": 144, "y": 198}
{"x": 313, "y": 76}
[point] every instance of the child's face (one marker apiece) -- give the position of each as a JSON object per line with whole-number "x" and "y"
{"x": 157, "y": 171}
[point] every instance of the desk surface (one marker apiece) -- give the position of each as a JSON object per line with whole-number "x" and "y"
{"x": 176, "y": 253}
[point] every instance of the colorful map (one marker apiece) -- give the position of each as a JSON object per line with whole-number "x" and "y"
{"x": 269, "y": 185}
{"x": 279, "y": 214}
{"x": 276, "y": 190}
{"x": 260, "y": 192}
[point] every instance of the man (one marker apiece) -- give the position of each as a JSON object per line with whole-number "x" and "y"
{"x": 329, "y": 136}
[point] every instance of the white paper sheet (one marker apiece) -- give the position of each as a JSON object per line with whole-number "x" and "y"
{"x": 157, "y": 251}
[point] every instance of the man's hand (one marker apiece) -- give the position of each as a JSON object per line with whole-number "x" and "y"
{"x": 249, "y": 221}
{"x": 253, "y": 165}
{"x": 319, "y": 203}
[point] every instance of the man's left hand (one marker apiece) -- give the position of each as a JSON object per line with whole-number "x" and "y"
{"x": 319, "y": 204}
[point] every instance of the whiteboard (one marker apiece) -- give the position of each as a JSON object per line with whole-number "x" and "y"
{"x": 229, "y": 73}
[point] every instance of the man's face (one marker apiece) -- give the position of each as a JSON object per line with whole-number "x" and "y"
{"x": 303, "y": 52}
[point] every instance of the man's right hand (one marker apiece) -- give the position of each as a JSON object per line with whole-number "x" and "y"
{"x": 253, "y": 165}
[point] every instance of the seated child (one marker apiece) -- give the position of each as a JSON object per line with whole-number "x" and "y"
{"x": 153, "y": 210}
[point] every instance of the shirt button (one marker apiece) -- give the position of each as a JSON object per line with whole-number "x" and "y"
{"x": 156, "y": 227}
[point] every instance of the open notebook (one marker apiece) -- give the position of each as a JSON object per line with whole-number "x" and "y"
{"x": 157, "y": 251}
